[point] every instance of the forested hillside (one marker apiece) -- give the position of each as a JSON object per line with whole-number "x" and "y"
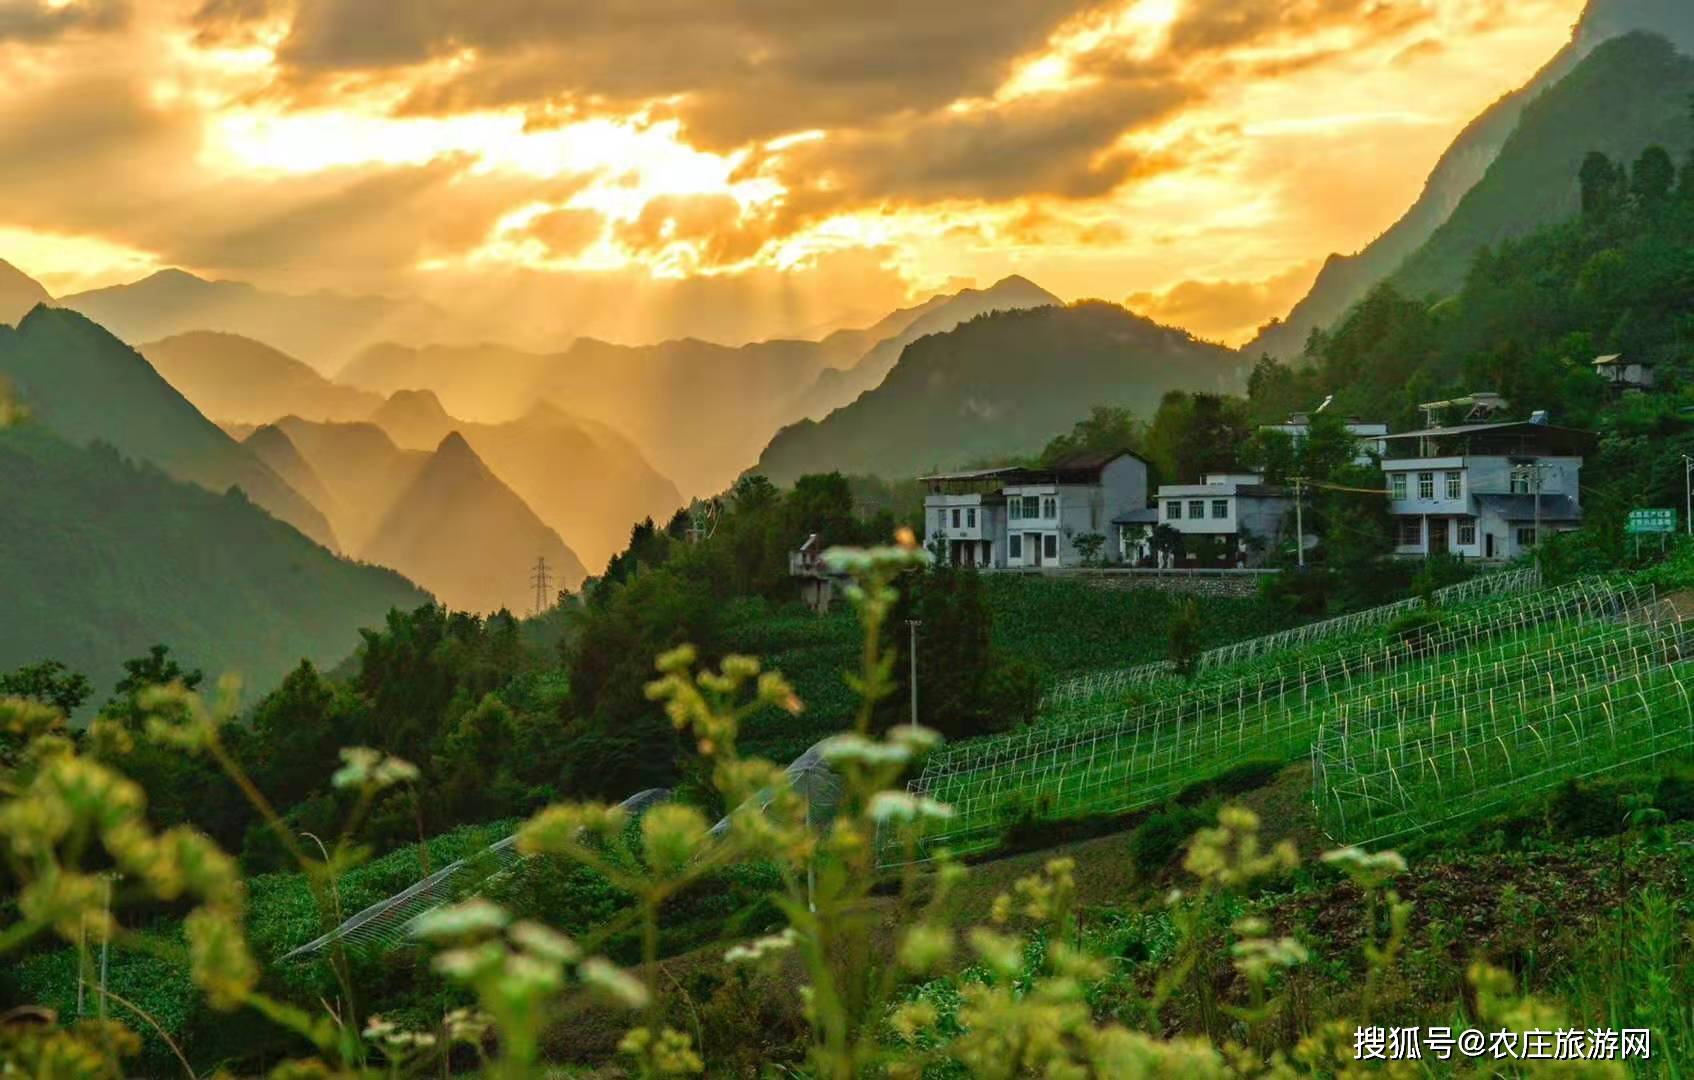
{"x": 1630, "y": 93}
{"x": 101, "y": 558}
{"x": 85, "y": 384}
{"x": 1000, "y": 386}
{"x": 1345, "y": 279}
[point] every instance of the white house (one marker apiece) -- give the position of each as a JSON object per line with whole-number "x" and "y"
{"x": 1033, "y": 516}
{"x": 1483, "y": 490}
{"x": 1624, "y": 376}
{"x": 1234, "y": 508}
{"x": 1370, "y": 435}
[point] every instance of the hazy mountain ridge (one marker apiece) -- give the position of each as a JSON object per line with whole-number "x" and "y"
{"x": 1000, "y": 385}
{"x": 586, "y": 481}
{"x": 471, "y": 537}
{"x": 1344, "y": 279}
{"x": 85, "y": 384}
{"x": 835, "y": 388}
{"x": 18, "y": 293}
{"x": 321, "y": 328}
{"x": 235, "y": 378}
{"x": 450, "y": 523}
{"x": 100, "y": 558}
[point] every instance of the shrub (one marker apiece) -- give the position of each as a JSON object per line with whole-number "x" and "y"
{"x": 1162, "y": 835}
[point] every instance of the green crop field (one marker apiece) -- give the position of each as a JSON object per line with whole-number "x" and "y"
{"x": 1111, "y": 757}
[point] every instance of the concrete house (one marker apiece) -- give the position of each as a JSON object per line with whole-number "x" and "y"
{"x": 1624, "y": 376}
{"x": 1482, "y": 490}
{"x": 1032, "y": 516}
{"x": 1233, "y": 508}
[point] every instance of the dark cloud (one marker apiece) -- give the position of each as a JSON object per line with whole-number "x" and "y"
{"x": 1216, "y": 25}
{"x": 35, "y": 21}
{"x": 745, "y": 70}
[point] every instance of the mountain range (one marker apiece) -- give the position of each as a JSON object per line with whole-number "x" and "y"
{"x": 322, "y": 328}
{"x": 235, "y": 378}
{"x": 701, "y": 412}
{"x": 1344, "y": 279}
{"x": 584, "y": 479}
{"x": 440, "y": 516}
{"x": 18, "y": 293}
{"x": 84, "y": 384}
{"x": 998, "y": 386}
{"x": 101, "y": 558}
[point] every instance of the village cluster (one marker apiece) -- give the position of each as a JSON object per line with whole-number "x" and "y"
{"x": 1467, "y": 482}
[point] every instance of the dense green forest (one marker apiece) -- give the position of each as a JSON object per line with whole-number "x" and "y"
{"x": 136, "y": 557}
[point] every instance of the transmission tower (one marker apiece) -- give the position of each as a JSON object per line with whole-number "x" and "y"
{"x": 539, "y": 578}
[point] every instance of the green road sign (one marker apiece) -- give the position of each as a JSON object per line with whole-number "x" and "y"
{"x": 1650, "y": 521}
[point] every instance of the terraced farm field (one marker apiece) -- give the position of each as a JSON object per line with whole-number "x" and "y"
{"x": 1361, "y": 697}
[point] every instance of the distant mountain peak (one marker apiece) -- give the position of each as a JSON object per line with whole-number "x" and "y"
{"x": 455, "y": 448}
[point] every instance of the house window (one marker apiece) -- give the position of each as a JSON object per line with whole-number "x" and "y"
{"x": 955, "y": 517}
{"x": 1014, "y": 546}
{"x": 1520, "y": 482}
{"x": 1050, "y": 546}
{"x": 1014, "y": 509}
{"x": 1426, "y": 485}
{"x": 1454, "y": 486}
{"x": 970, "y": 518}
{"x": 1397, "y": 484}
{"x": 1197, "y": 508}
{"x": 1220, "y": 508}
{"x": 1049, "y": 507}
{"x": 1467, "y": 533}
{"x": 1031, "y": 506}
{"x": 1173, "y": 510}
{"x": 1526, "y": 536}
{"x": 1411, "y": 532}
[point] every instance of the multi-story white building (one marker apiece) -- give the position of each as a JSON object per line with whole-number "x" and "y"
{"x": 1483, "y": 490}
{"x": 1234, "y": 508}
{"x": 1033, "y": 516}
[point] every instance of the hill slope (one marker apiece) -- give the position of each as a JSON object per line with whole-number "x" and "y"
{"x": 101, "y": 558}
{"x": 18, "y": 293}
{"x": 1346, "y": 278}
{"x": 85, "y": 384}
{"x": 1000, "y": 385}
{"x": 1631, "y": 92}
{"x": 233, "y": 378}
{"x": 458, "y": 528}
{"x": 357, "y": 463}
{"x": 585, "y": 480}
{"x": 322, "y": 328}
{"x": 837, "y": 387}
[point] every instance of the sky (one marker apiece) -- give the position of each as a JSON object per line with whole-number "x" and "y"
{"x": 737, "y": 169}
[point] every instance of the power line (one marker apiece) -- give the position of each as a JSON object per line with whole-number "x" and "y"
{"x": 539, "y": 578}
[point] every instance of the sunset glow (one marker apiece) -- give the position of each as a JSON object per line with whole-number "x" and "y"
{"x": 1103, "y": 149}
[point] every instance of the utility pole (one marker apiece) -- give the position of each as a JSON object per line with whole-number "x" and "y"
{"x": 912, "y": 625}
{"x": 1688, "y": 492}
{"x": 1299, "y": 521}
{"x": 538, "y": 577}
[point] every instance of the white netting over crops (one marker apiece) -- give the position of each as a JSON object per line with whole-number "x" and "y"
{"x": 1582, "y": 706}
{"x": 1082, "y": 688}
{"x": 1118, "y": 760}
{"x": 388, "y": 922}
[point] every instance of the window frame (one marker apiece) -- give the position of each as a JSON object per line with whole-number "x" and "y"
{"x": 1031, "y": 507}
{"x": 1526, "y": 536}
{"x": 1049, "y": 507}
{"x": 1455, "y": 485}
{"x": 955, "y": 517}
{"x": 1464, "y": 527}
{"x": 1220, "y": 509}
{"x": 1197, "y": 509}
{"x": 1426, "y": 486}
{"x": 1397, "y": 486}
{"x": 1173, "y": 509}
{"x": 1014, "y": 546}
{"x": 970, "y": 517}
{"x": 1050, "y": 546}
{"x": 1411, "y": 525}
